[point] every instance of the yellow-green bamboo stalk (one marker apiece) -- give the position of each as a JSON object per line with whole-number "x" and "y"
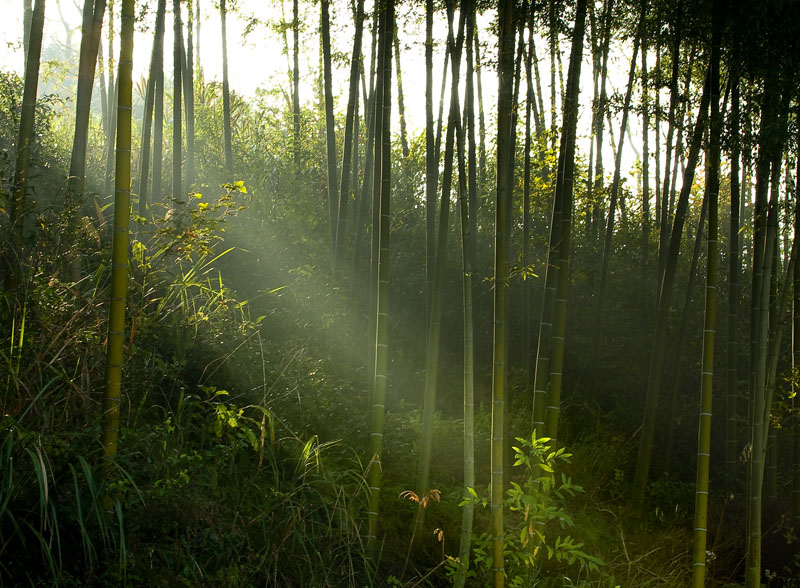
{"x": 177, "y": 62}
{"x": 156, "y": 58}
{"x": 226, "y": 94}
{"x": 753, "y": 539}
{"x": 664, "y": 304}
{"x": 437, "y": 300}
{"x": 26, "y": 123}
{"x": 795, "y": 363}
{"x": 505, "y": 72}
{"x": 467, "y": 195}
{"x": 759, "y": 391}
{"x": 383, "y": 165}
{"x": 771, "y": 478}
{"x": 91, "y": 33}
{"x": 119, "y": 251}
{"x": 565, "y": 184}
{"x": 542, "y": 368}
{"x": 709, "y": 327}
{"x": 734, "y": 257}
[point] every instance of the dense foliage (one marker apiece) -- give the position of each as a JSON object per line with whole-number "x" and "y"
{"x": 249, "y": 362}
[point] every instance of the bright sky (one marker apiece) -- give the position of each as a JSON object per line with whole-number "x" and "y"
{"x": 257, "y": 60}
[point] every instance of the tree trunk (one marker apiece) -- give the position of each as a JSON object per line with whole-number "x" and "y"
{"x": 330, "y": 126}
{"x": 357, "y": 276}
{"x": 350, "y": 144}
{"x": 796, "y": 360}
{"x": 657, "y": 132}
{"x": 521, "y": 19}
{"x": 440, "y": 117}
{"x": 119, "y": 251}
{"x": 543, "y": 346}
{"x": 481, "y": 121}
{"x": 709, "y": 329}
{"x": 103, "y": 93}
{"x": 682, "y": 123}
{"x": 612, "y": 207}
{"x": 762, "y": 266}
{"x": 765, "y": 341}
{"x": 553, "y": 39}
{"x": 431, "y": 164}
{"x": 680, "y": 340}
{"x": 91, "y": 33}
{"x": 27, "y": 17}
{"x": 595, "y": 36}
{"x": 645, "y": 160}
{"x": 734, "y": 271}
{"x": 401, "y": 105}
{"x": 188, "y": 84}
{"x": 771, "y": 467}
{"x": 158, "y": 126}
{"x": 110, "y": 139}
{"x": 198, "y": 67}
{"x": 156, "y": 62}
{"x": 526, "y": 214}
{"x": 111, "y": 113}
{"x": 296, "y": 83}
{"x": 93, "y": 11}
{"x": 437, "y": 301}
{"x": 226, "y": 92}
{"x": 673, "y": 102}
{"x": 565, "y": 183}
{"x": 664, "y": 302}
{"x": 381, "y": 230}
{"x": 177, "y": 146}
{"x": 467, "y": 199}
{"x": 505, "y": 72}
{"x": 25, "y": 137}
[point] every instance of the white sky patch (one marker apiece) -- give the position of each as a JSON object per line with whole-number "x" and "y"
{"x": 258, "y": 60}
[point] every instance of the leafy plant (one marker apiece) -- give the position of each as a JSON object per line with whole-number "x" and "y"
{"x": 536, "y": 516}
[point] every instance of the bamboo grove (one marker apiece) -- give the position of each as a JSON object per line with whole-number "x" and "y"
{"x": 494, "y": 296}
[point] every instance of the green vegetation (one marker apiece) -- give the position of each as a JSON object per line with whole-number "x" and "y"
{"x": 260, "y": 363}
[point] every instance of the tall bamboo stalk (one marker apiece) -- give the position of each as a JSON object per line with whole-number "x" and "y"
{"x": 680, "y": 340}
{"x": 481, "y": 117}
{"x": 664, "y": 302}
{"x": 330, "y": 127}
{"x": 296, "y": 82}
{"x": 188, "y": 84}
{"x": 226, "y": 92}
{"x": 350, "y": 143}
{"x": 431, "y": 164}
{"x": 734, "y": 270}
{"x": 505, "y": 73}
{"x": 796, "y": 360}
{"x": 645, "y": 158}
{"x": 158, "y": 128}
{"x": 91, "y": 33}
{"x": 527, "y": 360}
{"x": 383, "y": 164}
{"x": 437, "y": 302}
{"x": 401, "y": 103}
{"x": 177, "y": 63}
{"x": 467, "y": 201}
{"x": 565, "y": 183}
{"x": 119, "y": 251}
{"x": 156, "y": 61}
{"x": 673, "y": 103}
{"x": 25, "y": 136}
{"x": 612, "y": 206}
{"x": 709, "y": 328}
{"x": 763, "y": 244}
